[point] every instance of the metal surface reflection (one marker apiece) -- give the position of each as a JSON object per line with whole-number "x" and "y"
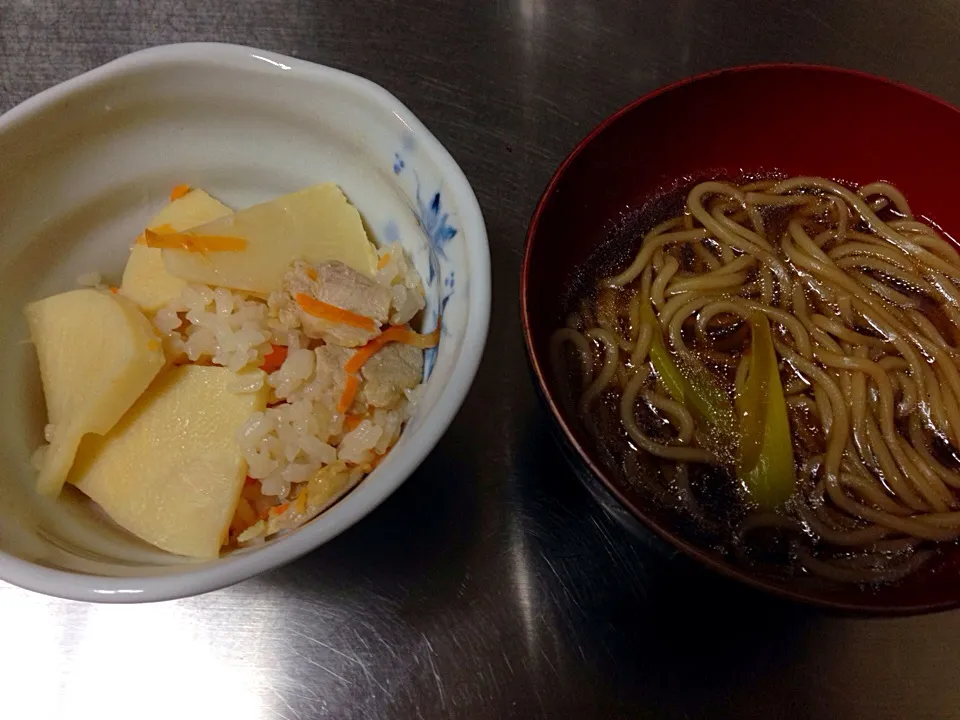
{"x": 156, "y": 659}
{"x": 491, "y": 585}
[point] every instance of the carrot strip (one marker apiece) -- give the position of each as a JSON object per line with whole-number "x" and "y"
{"x": 382, "y": 263}
{"x": 114, "y": 289}
{"x": 349, "y": 392}
{"x": 334, "y": 314}
{"x": 394, "y": 333}
{"x": 251, "y": 491}
{"x": 357, "y": 360}
{"x": 280, "y": 509}
{"x": 311, "y": 273}
{"x": 194, "y": 243}
{"x": 179, "y": 191}
{"x": 244, "y": 517}
{"x": 274, "y": 359}
{"x": 164, "y": 229}
{"x": 351, "y": 421}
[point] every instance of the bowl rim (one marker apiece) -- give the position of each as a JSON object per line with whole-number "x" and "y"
{"x": 233, "y": 569}
{"x": 688, "y": 548}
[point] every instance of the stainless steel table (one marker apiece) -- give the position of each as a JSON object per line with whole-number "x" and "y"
{"x": 490, "y": 585}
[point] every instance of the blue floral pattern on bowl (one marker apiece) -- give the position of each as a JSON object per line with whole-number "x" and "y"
{"x": 436, "y": 226}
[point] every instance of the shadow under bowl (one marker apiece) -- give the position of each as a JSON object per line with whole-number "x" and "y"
{"x": 790, "y": 119}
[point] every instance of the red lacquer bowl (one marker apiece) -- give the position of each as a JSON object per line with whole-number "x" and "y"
{"x": 799, "y": 120}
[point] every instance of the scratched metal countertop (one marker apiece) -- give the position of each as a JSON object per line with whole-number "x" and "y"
{"x": 490, "y": 585}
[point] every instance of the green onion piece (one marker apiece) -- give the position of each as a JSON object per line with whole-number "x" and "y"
{"x": 765, "y": 464}
{"x": 695, "y": 389}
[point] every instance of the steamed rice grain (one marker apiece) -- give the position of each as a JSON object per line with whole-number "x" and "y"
{"x": 301, "y": 452}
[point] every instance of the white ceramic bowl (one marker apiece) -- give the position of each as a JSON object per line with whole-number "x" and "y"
{"x": 86, "y": 162}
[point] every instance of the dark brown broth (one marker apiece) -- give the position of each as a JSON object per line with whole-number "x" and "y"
{"x": 720, "y": 502}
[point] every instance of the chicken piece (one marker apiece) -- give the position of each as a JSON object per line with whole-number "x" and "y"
{"x": 343, "y": 287}
{"x": 395, "y": 368}
{"x": 330, "y": 377}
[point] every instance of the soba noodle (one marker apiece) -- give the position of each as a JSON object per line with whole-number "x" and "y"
{"x": 863, "y": 301}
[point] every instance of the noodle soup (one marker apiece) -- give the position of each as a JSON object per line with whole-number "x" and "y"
{"x": 777, "y": 365}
